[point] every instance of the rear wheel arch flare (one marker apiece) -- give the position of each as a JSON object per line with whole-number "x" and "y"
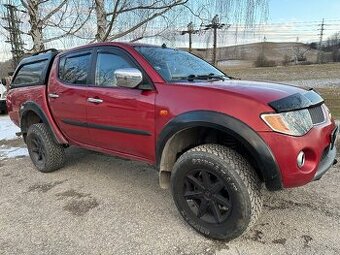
{"x": 31, "y": 113}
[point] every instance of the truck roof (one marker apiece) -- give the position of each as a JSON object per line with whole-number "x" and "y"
{"x": 118, "y": 44}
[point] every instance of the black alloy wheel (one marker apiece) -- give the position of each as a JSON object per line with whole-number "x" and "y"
{"x": 38, "y": 150}
{"x": 207, "y": 196}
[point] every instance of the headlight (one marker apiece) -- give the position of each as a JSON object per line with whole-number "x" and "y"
{"x": 296, "y": 123}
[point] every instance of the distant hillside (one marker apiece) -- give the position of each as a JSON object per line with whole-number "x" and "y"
{"x": 273, "y": 51}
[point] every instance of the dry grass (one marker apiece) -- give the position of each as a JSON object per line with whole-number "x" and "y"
{"x": 286, "y": 73}
{"x": 297, "y": 73}
{"x": 332, "y": 99}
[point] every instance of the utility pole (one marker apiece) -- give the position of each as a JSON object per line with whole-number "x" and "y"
{"x": 190, "y": 31}
{"x": 321, "y": 39}
{"x": 264, "y": 44}
{"x": 215, "y": 25}
{"x": 13, "y": 28}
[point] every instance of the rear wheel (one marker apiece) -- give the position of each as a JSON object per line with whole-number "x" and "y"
{"x": 45, "y": 153}
{"x": 216, "y": 191}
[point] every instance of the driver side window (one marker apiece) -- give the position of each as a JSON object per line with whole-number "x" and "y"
{"x": 107, "y": 64}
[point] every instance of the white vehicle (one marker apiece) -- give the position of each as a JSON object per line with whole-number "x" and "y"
{"x": 3, "y": 93}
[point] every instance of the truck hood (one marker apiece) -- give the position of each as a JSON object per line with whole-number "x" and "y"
{"x": 281, "y": 97}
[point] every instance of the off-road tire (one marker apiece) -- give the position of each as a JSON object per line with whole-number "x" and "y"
{"x": 242, "y": 187}
{"x": 52, "y": 154}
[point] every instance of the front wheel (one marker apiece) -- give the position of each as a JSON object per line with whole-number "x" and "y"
{"x": 216, "y": 191}
{"x": 45, "y": 153}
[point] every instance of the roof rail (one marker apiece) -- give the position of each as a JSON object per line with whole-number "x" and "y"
{"x": 43, "y": 51}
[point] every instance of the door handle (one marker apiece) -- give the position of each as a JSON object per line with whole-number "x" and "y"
{"x": 94, "y": 100}
{"x": 53, "y": 95}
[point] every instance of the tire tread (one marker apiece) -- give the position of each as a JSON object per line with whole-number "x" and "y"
{"x": 235, "y": 162}
{"x": 55, "y": 153}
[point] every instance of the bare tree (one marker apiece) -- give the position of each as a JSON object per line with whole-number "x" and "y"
{"x": 69, "y": 22}
{"x": 65, "y": 17}
{"x": 134, "y": 20}
{"x": 134, "y": 14}
{"x": 333, "y": 45}
{"x": 299, "y": 51}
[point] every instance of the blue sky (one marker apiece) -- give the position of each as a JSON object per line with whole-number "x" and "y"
{"x": 303, "y": 10}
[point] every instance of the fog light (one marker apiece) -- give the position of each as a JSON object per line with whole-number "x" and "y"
{"x": 300, "y": 159}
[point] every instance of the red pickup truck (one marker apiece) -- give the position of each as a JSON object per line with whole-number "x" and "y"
{"x": 214, "y": 139}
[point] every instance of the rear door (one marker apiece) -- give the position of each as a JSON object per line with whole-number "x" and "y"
{"x": 67, "y": 94}
{"x": 120, "y": 119}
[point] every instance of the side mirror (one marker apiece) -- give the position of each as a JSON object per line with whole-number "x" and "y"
{"x": 128, "y": 77}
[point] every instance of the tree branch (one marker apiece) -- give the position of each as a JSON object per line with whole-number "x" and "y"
{"x": 155, "y": 15}
{"x": 113, "y": 18}
{"x": 54, "y": 11}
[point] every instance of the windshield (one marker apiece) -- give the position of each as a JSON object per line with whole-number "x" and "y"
{"x": 177, "y": 65}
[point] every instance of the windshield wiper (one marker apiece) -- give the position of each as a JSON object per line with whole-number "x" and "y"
{"x": 210, "y": 76}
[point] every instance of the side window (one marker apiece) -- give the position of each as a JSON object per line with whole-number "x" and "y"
{"x": 75, "y": 69}
{"x": 106, "y": 64}
{"x": 30, "y": 74}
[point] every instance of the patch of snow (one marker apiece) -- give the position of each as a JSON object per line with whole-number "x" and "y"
{"x": 7, "y": 132}
{"x": 316, "y": 83}
{"x": 235, "y": 63}
{"x": 7, "y": 128}
{"x": 13, "y": 152}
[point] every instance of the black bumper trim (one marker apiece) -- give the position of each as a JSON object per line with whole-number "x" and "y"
{"x": 325, "y": 164}
{"x": 105, "y": 127}
{"x": 328, "y": 160}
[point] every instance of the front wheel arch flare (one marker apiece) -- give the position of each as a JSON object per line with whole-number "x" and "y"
{"x": 240, "y": 131}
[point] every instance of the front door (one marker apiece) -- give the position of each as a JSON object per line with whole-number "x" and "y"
{"x": 120, "y": 119}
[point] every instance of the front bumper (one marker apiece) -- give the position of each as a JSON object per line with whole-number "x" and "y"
{"x": 319, "y": 148}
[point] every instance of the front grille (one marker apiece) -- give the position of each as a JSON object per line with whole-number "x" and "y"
{"x": 317, "y": 114}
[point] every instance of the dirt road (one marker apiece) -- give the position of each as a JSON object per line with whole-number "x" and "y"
{"x": 99, "y": 204}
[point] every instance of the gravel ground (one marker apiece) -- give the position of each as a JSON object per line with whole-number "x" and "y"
{"x": 99, "y": 204}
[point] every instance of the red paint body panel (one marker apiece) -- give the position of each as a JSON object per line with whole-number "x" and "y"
{"x": 139, "y": 110}
{"x": 127, "y": 108}
{"x": 16, "y": 97}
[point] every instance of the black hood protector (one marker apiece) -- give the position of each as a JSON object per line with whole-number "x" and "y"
{"x": 297, "y": 101}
